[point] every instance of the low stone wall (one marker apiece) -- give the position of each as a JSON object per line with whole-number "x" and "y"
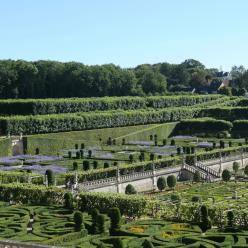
{"x": 15, "y": 244}
{"x": 147, "y": 181}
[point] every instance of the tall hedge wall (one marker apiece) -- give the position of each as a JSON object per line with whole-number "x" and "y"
{"x": 129, "y": 205}
{"x": 5, "y": 147}
{"x": 72, "y": 105}
{"x": 204, "y": 126}
{"x": 31, "y": 194}
{"x": 225, "y": 113}
{"x": 94, "y": 120}
{"x": 240, "y": 128}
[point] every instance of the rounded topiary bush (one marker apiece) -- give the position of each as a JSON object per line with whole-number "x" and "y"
{"x": 130, "y": 190}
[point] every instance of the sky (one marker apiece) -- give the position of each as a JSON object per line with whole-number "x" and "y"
{"x": 126, "y": 32}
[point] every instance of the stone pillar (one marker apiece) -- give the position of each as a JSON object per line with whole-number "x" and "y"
{"x": 153, "y": 177}
{"x": 220, "y": 170}
{"x": 118, "y": 179}
{"x": 76, "y": 180}
{"x": 242, "y": 158}
{"x": 195, "y": 159}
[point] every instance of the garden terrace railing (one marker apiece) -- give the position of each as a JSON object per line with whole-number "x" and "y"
{"x": 193, "y": 170}
{"x": 16, "y": 244}
{"x": 207, "y": 169}
{"x": 127, "y": 178}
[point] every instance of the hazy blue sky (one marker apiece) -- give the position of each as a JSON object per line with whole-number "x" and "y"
{"x": 126, "y": 32}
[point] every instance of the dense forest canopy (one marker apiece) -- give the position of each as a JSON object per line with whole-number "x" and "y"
{"x": 52, "y": 79}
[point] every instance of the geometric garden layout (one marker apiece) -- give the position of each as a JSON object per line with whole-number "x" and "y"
{"x": 183, "y": 171}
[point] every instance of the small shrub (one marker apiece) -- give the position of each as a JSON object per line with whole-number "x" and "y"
{"x": 147, "y": 244}
{"x": 37, "y": 151}
{"x": 78, "y": 155}
{"x": 68, "y": 200}
{"x": 94, "y": 213}
{"x": 152, "y": 156}
{"x": 78, "y": 220}
{"x": 50, "y": 177}
{"x": 86, "y": 165}
{"x": 230, "y": 218}
{"x": 171, "y": 181}
{"x": 196, "y": 198}
{"x": 75, "y": 165}
{"x": 76, "y": 146}
{"x": 246, "y": 170}
{"x": 161, "y": 183}
{"x": 173, "y": 142}
{"x": 131, "y": 158}
{"x": 89, "y": 153}
{"x": 118, "y": 243}
{"x": 115, "y": 219}
{"x": 95, "y": 164}
{"x": 197, "y": 177}
{"x": 130, "y": 190}
{"x": 205, "y": 223}
{"x": 106, "y": 165}
{"x": 226, "y": 175}
{"x": 101, "y": 223}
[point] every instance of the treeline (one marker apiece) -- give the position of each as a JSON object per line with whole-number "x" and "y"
{"x": 72, "y": 105}
{"x": 52, "y": 79}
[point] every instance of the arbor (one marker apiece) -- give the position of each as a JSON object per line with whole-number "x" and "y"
{"x": 197, "y": 177}
{"x": 226, "y": 175}
{"x": 130, "y": 190}
{"x": 171, "y": 181}
{"x": 78, "y": 220}
{"x": 161, "y": 183}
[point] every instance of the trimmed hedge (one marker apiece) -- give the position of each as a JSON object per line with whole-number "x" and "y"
{"x": 72, "y": 105}
{"x": 94, "y": 120}
{"x": 123, "y": 169}
{"x": 240, "y": 128}
{"x": 5, "y": 147}
{"x": 205, "y": 126}
{"x": 225, "y": 113}
{"x": 129, "y": 205}
{"x": 31, "y": 194}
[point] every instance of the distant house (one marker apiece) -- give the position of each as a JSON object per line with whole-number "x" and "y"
{"x": 220, "y": 80}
